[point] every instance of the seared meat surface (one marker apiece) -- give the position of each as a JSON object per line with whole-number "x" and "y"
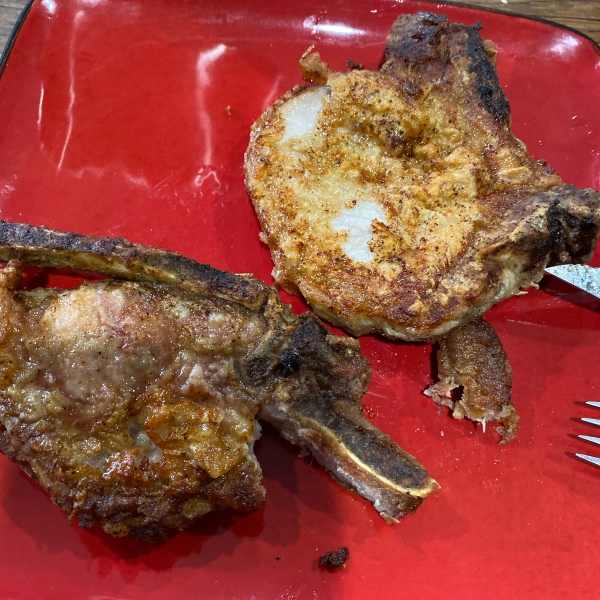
{"x": 398, "y": 201}
{"x": 122, "y": 400}
{"x": 134, "y": 403}
{"x": 472, "y": 357}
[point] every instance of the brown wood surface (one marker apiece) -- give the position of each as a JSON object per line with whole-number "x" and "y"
{"x": 583, "y": 15}
{"x": 9, "y": 12}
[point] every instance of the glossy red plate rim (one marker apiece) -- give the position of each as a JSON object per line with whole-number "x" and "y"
{"x": 23, "y": 15}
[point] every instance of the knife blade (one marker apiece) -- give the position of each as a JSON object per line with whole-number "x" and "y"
{"x": 584, "y": 277}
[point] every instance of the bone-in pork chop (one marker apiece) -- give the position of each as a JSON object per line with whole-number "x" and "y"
{"x": 398, "y": 201}
{"x": 134, "y": 403}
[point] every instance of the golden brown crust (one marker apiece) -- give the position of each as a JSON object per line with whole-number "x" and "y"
{"x": 472, "y": 357}
{"x": 466, "y": 216}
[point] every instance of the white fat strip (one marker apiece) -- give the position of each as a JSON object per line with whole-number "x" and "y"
{"x": 301, "y": 113}
{"x": 358, "y": 222}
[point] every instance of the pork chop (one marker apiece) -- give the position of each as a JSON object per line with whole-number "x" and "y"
{"x": 134, "y": 403}
{"x": 398, "y": 201}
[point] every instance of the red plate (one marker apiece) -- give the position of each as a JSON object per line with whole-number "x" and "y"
{"x": 131, "y": 119}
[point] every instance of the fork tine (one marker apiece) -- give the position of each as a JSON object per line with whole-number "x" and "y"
{"x": 590, "y": 459}
{"x": 589, "y": 438}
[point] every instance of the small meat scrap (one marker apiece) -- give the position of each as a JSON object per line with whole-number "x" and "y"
{"x": 472, "y": 357}
{"x": 335, "y": 559}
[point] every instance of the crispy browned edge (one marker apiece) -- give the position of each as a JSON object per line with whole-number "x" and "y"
{"x": 121, "y": 258}
{"x": 416, "y": 39}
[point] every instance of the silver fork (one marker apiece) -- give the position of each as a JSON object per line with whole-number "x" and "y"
{"x": 588, "y": 438}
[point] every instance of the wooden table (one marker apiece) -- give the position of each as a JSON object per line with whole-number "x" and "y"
{"x": 583, "y": 15}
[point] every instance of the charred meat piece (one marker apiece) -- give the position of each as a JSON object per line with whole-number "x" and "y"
{"x": 133, "y": 401}
{"x": 335, "y": 559}
{"x": 398, "y": 201}
{"x": 472, "y": 357}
